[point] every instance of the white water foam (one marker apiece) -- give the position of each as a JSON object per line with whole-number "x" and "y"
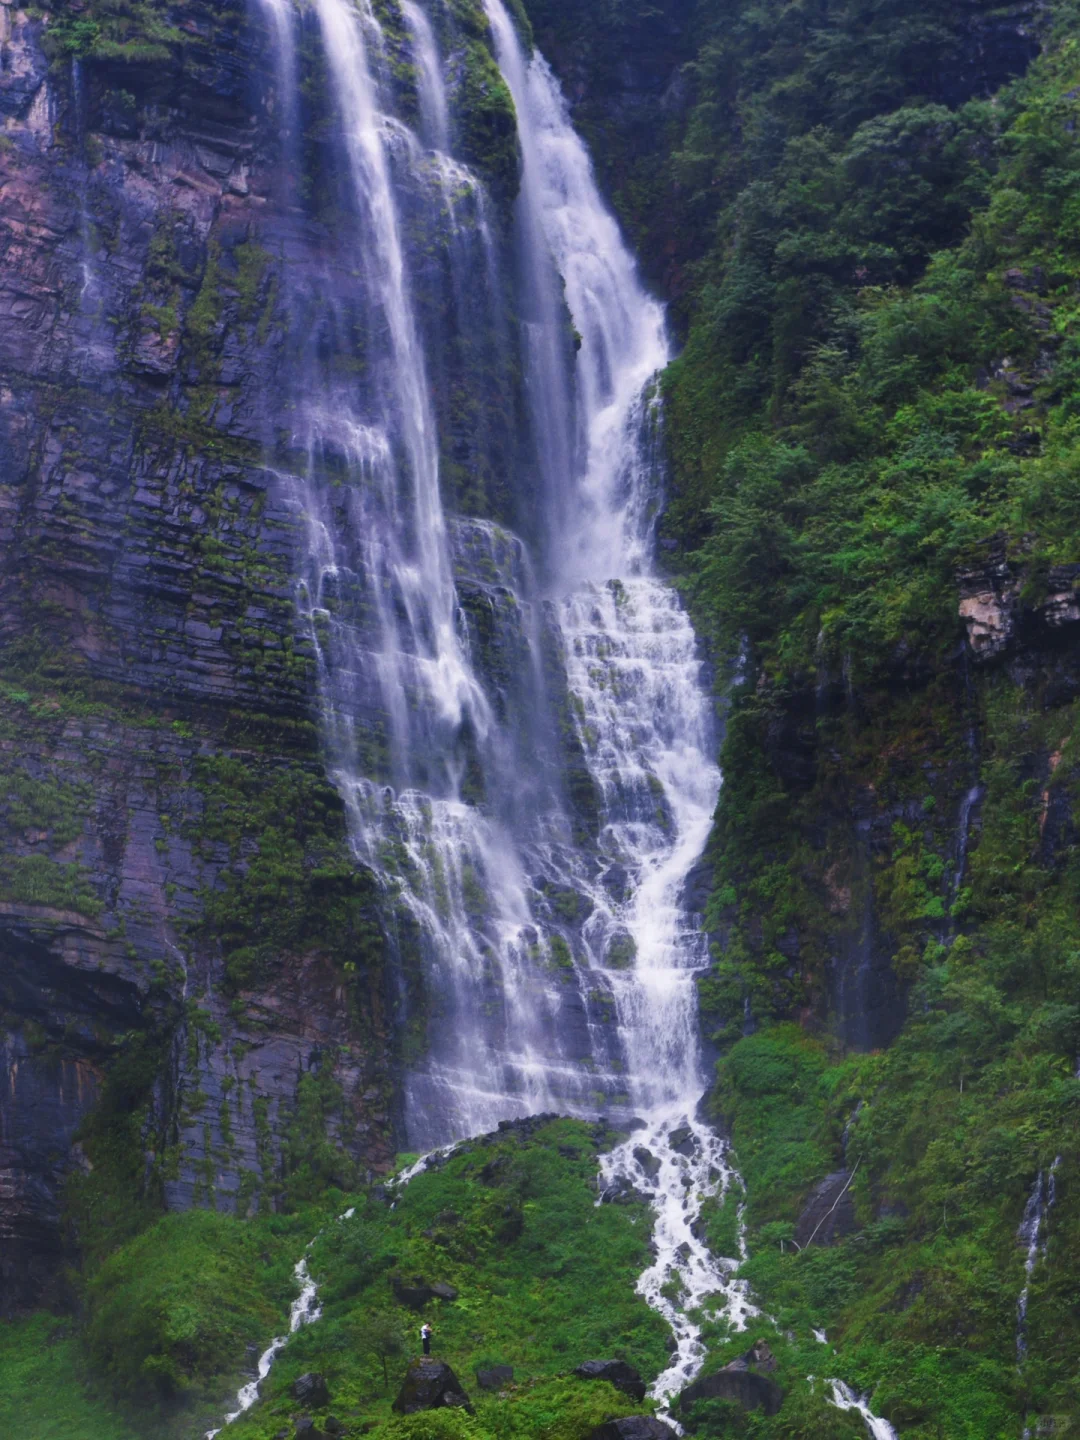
{"x": 844, "y": 1398}
{"x": 1039, "y": 1204}
{"x": 305, "y": 1311}
{"x": 642, "y": 714}
{"x": 677, "y": 1177}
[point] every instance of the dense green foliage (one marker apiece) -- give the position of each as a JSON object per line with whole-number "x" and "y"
{"x": 545, "y": 1279}
{"x": 293, "y": 884}
{"x": 165, "y": 1311}
{"x": 40, "y": 1390}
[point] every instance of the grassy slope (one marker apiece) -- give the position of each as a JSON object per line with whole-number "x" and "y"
{"x": 545, "y": 1279}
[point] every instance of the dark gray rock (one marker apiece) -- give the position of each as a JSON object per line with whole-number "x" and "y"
{"x": 829, "y": 1213}
{"x": 738, "y": 1382}
{"x": 415, "y": 1293}
{"x": 616, "y": 1372}
{"x": 156, "y": 566}
{"x": 633, "y": 1427}
{"x": 760, "y": 1356}
{"x": 306, "y": 1429}
{"x": 494, "y": 1377}
{"x": 649, "y": 1162}
{"x": 311, "y": 1389}
{"x": 622, "y": 1191}
{"x": 428, "y": 1385}
{"x": 682, "y": 1141}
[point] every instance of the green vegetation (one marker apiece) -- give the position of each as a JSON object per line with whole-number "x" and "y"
{"x": 294, "y": 885}
{"x": 489, "y": 124}
{"x": 545, "y": 1279}
{"x": 40, "y": 1389}
{"x": 178, "y": 1304}
{"x": 132, "y": 32}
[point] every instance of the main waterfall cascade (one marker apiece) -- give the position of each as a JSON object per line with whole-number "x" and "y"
{"x": 519, "y": 730}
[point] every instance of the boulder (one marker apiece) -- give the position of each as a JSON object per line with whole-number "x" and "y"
{"x": 682, "y": 1141}
{"x": 760, "y": 1356}
{"x": 647, "y": 1160}
{"x": 494, "y": 1377}
{"x": 311, "y": 1389}
{"x": 736, "y": 1382}
{"x": 633, "y": 1427}
{"x": 616, "y": 1372}
{"x": 415, "y": 1293}
{"x": 622, "y": 1191}
{"x": 306, "y": 1429}
{"x": 333, "y": 1425}
{"x": 428, "y": 1385}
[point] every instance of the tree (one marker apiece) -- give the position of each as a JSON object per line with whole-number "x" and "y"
{"x": 381, "y": 1335}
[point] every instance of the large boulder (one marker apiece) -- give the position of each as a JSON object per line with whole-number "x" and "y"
{"x": 647, "y": 1160}
{"x": 494, "y": 1377}
{"x": 737, "y": 1381}
{"x": 616, "y": 1372}
{"x": 682, "y": 1141}
{"x": 428, "y": 1385}
{"x": 633, "y": 1427}
{"x": 311, "y": 1390}
{"x": 417, "y": 1292}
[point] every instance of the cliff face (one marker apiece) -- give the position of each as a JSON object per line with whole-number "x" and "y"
{"x": 158, "y": 747}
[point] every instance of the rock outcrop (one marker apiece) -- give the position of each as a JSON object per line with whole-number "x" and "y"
{"x": 829, "y": 1213}
{"x": 633, "y": 1427}
{"x": 149, "y": 640}
{"x": 1002, "y": 612}
{"x": 428, "y": 1385}
{"x": 312, "y": 1389}
{"x": 616, "y": 1372}
{"x": 494, "y": 1377}
{"x": 745, "y": 1380}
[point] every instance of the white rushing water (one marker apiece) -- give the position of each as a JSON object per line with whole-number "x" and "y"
{"x": 1030, "y": 1234}
{"x": 642, "y": 713}
{"x": 305, "y": 1311}
{"x": 424, "y": 633}
{"x": 431, "y": 88}
{"x": 844, "y": 1398}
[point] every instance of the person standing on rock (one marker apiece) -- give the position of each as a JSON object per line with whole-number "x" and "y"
{"x": 425, "y": 1337}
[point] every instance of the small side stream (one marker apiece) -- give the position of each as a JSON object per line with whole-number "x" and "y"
{"x": 305, "y": 1310}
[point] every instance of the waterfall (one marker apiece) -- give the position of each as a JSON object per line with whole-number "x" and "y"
{"x": 423, "y": 648}
{"x": 1029, "y": 1233}
{"x": 518, "y": 726}
{"x": 642, "y": 715}
{"x": 431, "y": 90}
{"x": 844, "y": 1398}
